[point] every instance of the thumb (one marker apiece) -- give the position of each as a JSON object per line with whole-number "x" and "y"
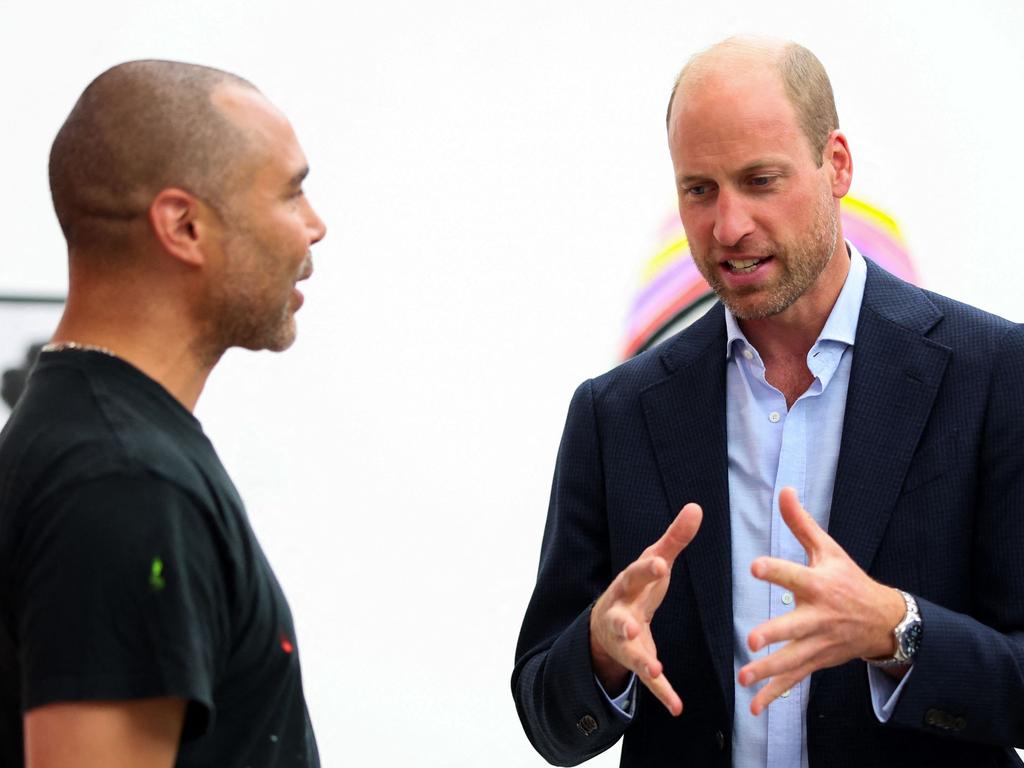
{"x": 679, "y": 533}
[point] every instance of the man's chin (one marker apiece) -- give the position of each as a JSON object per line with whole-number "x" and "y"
{"x": 276, "y": 341}
{"x": 755, "y": 305}
{"x": 283, "y": 341}
{"x": 282, "y": 345}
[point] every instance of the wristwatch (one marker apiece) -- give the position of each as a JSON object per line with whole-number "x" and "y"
{"x": 907, "y": 634}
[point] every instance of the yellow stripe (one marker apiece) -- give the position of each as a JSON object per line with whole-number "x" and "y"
{"x": 671, "y": 253}
{"x": 866, "y": 211}
{"x": 677, "y": 248}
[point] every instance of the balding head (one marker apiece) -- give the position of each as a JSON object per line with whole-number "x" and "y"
{"x": 138, "y": 128}
{"x": 803, "y": 77}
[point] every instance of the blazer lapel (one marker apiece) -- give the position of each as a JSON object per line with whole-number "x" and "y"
{"x": 685, "y": 415}
{"x": 895, "y": 376}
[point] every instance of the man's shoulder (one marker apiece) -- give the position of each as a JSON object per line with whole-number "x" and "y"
{"x": 66, "y": 431}
{"x": 704, "y": 339}
{"x": 968, "y": 321}
{"x": 942, "y": 319}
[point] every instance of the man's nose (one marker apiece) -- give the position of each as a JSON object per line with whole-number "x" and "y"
{"x": 732, "y": 219}
{"x": 317, "y": 228}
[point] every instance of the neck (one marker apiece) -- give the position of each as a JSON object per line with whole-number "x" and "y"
{"x": 791, "y": 333}
{"x": 143, "y": 334}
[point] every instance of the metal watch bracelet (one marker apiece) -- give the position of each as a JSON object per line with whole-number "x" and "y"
{"x": 907, "y": 633}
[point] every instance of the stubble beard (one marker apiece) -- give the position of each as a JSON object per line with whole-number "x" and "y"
{"x": 800, "y": 266}
{"x": 251, "y": 312}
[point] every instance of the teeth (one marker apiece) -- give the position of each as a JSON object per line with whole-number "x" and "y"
{"x": 743, "y": 265}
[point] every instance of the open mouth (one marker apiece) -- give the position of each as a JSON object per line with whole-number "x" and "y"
{"x": 744, "y": 266}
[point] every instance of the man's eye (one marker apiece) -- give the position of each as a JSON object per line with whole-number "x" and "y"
{"x": 697, "y": 190}
{"x": 762, "y": 181}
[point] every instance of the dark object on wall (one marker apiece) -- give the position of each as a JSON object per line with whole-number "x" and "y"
{"x": 26, "y": 321}
{"x": 14, "y": 378}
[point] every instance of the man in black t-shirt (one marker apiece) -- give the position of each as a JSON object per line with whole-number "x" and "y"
{"x": 140, "y": 623}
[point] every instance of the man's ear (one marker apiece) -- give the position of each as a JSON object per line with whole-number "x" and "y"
{"x": 181, "y": 224}
{"x": 837, "y": 157}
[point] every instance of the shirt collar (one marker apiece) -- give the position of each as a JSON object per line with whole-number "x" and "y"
{"x": 841, "y": 325}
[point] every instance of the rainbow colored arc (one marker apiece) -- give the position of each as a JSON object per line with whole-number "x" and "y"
{"x": 671, "y": 287}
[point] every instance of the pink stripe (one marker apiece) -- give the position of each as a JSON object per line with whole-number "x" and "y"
{"x": 662, "y": 294}
{"x": 684, "y": 300}
{"x": 681, "y": 267}
{"x": 668, "y": 292}
{"x": 879, "y": 247}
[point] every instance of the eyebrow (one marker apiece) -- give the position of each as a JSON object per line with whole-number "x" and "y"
{"x": 746, "y": 170}
{"x": 297, "y": 179}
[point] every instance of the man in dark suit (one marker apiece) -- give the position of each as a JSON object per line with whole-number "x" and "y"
{"x": 821, "y": 394}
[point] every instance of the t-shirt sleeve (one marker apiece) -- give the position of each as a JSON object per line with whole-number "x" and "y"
{"x": 121, "y": 596}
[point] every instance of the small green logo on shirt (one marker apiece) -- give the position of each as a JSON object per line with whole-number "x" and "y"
{"x": 156, "y": 575}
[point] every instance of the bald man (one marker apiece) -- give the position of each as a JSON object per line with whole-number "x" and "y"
{"x": 792, "y": 534}
{"x": 140, "y": 623}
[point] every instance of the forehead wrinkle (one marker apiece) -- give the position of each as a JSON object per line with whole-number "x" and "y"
{"x": 725, "y": 120}
{"x": 767, "y": 140}
{"x": 736, "y": 152}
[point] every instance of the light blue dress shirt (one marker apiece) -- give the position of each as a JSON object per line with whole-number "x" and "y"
{"x": 771, "y": 447}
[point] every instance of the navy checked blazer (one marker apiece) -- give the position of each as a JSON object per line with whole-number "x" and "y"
{"x": 929, "y": 497}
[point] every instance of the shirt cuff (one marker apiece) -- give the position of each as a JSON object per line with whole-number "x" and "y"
{"x": 885, "y": 691}
{"x": 625, "y": 702}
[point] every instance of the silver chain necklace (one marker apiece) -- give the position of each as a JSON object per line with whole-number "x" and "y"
{"x": 60, "y": 346}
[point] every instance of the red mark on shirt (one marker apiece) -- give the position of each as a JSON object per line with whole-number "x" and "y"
{"x": 286, "y": 644}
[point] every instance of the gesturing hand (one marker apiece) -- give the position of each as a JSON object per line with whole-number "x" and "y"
{"x": 841, "y": 613}
{"x": 620, "y": 621}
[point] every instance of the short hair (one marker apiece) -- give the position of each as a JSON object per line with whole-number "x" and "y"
{"x": 803, "y": 77}
{"x": 138, "y": 128}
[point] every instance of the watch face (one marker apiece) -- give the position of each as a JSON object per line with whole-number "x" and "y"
{"x": 910, "y": 640}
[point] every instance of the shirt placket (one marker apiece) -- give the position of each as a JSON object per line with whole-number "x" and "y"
{"x": 786, "y": 712}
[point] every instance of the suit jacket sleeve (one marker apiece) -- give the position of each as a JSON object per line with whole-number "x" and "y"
{"x": 969, "y": 672}
{"x": 564, "y": 713}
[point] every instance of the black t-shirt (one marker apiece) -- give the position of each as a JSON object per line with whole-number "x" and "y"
{"x": 128, "y": 569}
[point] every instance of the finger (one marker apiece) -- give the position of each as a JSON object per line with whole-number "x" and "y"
{"x": 790, "y": 575}
{"x": 791, "y": 657}
{"x": 621, "y": 622}
{"x": 640, "y": 656}
{"x": 804, "y": 527}
{"x": 679, "y": 533}
{"x": 776, "y": 687}
{"x": 790, "y": 626}
{"x": 662, "y": 690}
{"x": 639, "y": 574}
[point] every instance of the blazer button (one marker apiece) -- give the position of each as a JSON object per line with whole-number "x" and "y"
{"x": 720, "y": 740}
{"x": 587, "y": 724}
{"x": 933, "y": 717}
{"x": 959, "y": 724}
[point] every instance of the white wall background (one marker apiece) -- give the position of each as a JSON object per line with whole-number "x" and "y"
{"x": 493, "y": 175}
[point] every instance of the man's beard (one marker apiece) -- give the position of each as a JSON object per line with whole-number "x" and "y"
{"x": 799, "y": 266}
{"x": 254, "y": 310}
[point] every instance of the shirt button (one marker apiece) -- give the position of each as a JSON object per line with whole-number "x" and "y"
{"x": 787, "y": 598}
{"x": 785, "y": 693}
{"x": 748, "y": 354}
{"x": 774, "y": 417}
